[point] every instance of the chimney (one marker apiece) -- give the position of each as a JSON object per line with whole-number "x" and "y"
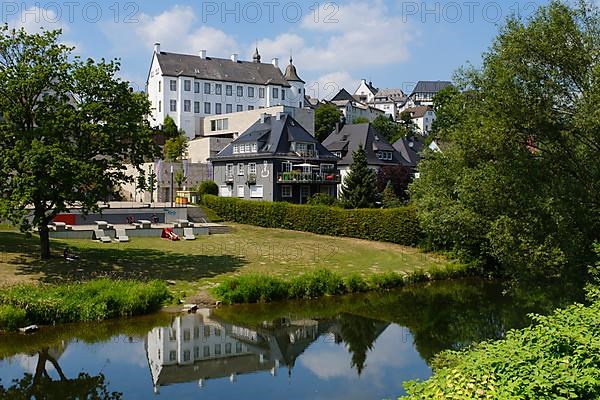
{"x": 157, "y": 47}
{"x": 234, "y": 57}
{"x": 202, "y": 54}
{"x": 263, "y": 118}
{"x": 275, "y": 62}
{"x": 279, "y": 116}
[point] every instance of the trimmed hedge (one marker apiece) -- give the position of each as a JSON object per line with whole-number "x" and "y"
{"x": 396, "y": 225}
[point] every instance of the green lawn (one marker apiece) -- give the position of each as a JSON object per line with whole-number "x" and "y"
{"x": 195, "y": 265}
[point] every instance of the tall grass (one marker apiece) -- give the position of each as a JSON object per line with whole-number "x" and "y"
{"x": 259, "y": 288}
{"x": 91, "y": 301}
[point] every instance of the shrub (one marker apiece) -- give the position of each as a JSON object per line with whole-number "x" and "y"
{"x": 12, "y": 318}
{"x": 251, "y": 289}
{"x": 397, "y": 225}
{"x": 316, "y": 284}
{"x": 322, "y": 199}
{"x": 208, "y": 187}
{"x": 387, "y": 281}
{"x": 91, "y": 301}
{"x": 356, "y": 284}
{"x": 557, "y": 358}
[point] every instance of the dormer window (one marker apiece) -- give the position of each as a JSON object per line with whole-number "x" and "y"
{"x": 244, "y": 148}
{"x": 338, "y": 154}
{"x": 385, "y": 155}
{"x": 304, "y": 149}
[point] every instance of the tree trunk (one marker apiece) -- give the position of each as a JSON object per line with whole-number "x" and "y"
{"x": 44, "y": 241}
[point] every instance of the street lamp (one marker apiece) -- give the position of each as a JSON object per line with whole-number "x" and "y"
{"x": 172, "y": 186}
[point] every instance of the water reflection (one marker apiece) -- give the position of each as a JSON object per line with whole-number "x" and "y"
{"x": 199, "y": 347}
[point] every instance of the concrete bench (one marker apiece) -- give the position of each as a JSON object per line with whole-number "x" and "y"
{"x": 144, "y": 224}
{"x": 103, "y": 225}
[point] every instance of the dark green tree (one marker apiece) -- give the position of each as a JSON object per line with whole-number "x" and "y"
{"x": 208, "y": 187}
{"x": 169, "y": 128}
{"x": 389, "y": 198}
{"x": 180, "y": 178}
{"x": 68, "y": 128}
{"x": 518, "y": 184}
{"x": 176, "y": 148}
{"x": 361, "y": 120}
{"x": 360, "y": 185}
{"x": 386, "y": 128}
{"x": 326, "y": 117}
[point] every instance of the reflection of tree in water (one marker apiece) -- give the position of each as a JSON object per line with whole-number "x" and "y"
{"x": 359, "y": 334}
{"x": 40, "y": 385}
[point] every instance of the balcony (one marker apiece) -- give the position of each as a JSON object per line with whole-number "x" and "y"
{"x": 309, "y": 177}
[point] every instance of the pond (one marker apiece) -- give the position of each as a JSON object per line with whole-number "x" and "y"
{"x": 352, "y": 347}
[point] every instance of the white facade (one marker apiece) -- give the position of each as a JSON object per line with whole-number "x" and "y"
{"x": 425, "y": 122}
{"x": 365, "y": 91}
{"x": 388, "y": 107}
{"x": 351, "y": 110}
{"x": 187, "y": 99}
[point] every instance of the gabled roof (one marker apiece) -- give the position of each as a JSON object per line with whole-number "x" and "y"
{"x": 274, "y": 137}
{"x": 343, "y": 94}
{"x": 219, "y": 69}
{"x": 418, "y": 112}
{"x": 430, "y": 86}
{"x": 394, "y": 94}
{"x": 410, "y": 149}
{"x": 355, "y": 135}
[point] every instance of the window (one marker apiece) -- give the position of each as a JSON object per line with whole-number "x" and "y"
{"x": 173, "y": 105}
{"x": 159, "y": 106}
{"x": 196, "y": 332}
{"x": 228, "y": 90}
{"x": 385, "y": 155}
{"x": 207, "y": 88}
{"x": 250, "y": 92}
{"x": 250, "y": 108}
{"x": 275, "y": 93}
{"x": 187, "y": 85}
{"x": 172, "y": 334}
{"x": 240, "y": 108}
{"x": 240, "y": 191}
{"x": 196, "y": 352}
{"x": 196, "y": 87}
{"x": 206, "y": 108}
{"x": 228, "y": 108}
{"x": 256, "y": 192}
{"x": 224, "y": 191}
{"x": 261, "y": 93}
{"x": 227, "y": 348}
{"x": 299, "y": 91}
{"x": 197, "y": 107}
{"x": 173, "y": 85}
{"x": 217, "y": 349}
{"x": 282, "y": 94}
{"x": 186, "y": 355}
{"x": 240, "y": 169}
{"x": 206, "y": 351}
{"x": 219, "y": 124}
{"x": 327, "y": 168}
{"x": 217, "y": 332}
{"x": 186, "y": 335}
{"x": 286, "y": 166}
{"x": 236, "y": 149}
{"x": 238, "y": 347}
{"x": 252, "y": 168}
{"x": 338, "y": 154}
{"x": 172, "y": 355}
{"x": 218, "y": 88}
{"x": 229, "y": 170}
{"x": 240, "y": 91}
{"x": 207, "y": 331}
{"x": 218, "y": 109}
{"x": 286, "y": 191}
{"x": 187, "y": 106}
{"x": 159, "y": 86}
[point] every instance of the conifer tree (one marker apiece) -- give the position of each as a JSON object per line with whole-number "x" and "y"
{"x": 360, "y": 186}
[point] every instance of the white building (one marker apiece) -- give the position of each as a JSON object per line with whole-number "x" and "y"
{"x": 190, "y": 87}
{"x": 366, "y": 91}
{"x": 422, "y": 117}
{"x": 351, "y": 108}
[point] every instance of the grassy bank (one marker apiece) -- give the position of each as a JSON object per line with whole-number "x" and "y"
{"x": 557, "y": 358}
{"x": 91, "y": 301}
{"x": 258, "y": 288}
{"x": 210, "y": 260}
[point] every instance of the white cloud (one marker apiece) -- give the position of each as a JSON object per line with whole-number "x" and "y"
{"x": 328, "y": 85}
{"x": 174, "y": 29}
{"x": 33, "y": 19}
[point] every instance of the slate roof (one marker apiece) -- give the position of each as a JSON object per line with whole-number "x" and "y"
{"x": 410, "y": 149}
{"x": 419, "y": 111}
{"x": 430, "y": 86}
{"x": 355, "y": 135}
{"x": 291, "y": 75}
{"x": 393, "y": 94}
{"x": 220, "y": 69}
{"x": 274, "y": 138}
{"x": 343, "y": 94}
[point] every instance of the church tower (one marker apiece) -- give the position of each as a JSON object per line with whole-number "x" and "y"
{"x": 297, "y": 84}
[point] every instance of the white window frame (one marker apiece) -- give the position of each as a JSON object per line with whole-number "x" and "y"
{"x": 196, "y": 87}
{"x": 218, "y": 89}
{"x": 261, "y": 93}
{"x": 240, "y": 91}
{"x": 187, "y": 106}
{"x": 187, "y": 85}
{"x": 207, "y": 88}
{"x": 224, "y": 191}
{"x": 218, "y": 108}
{"x": 240, "y": 169}
{"x": 240, "y": 108}
{"x": 285, "y": 193}
{"x": 228, "y": 108}
{"x": 207, "y": 107}
{"x": 196, "y": 107}
{"x": 228, "y": 90}
{"x": 236, "y": 149}
{"x": 286, "y": 166}
{"x": 241, "y": 192}
{"x": 275, "y": 93}
{"x": 251, "y": 168}
{"x": 173, "y": 105}
{"x": 256, "y": 191}
{"x": 250, "y": 91}
{"x": 229, "y": 169}
{"x": 173, "y": 85}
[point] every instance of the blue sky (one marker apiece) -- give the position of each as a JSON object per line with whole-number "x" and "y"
{"x": 335, "y": 44}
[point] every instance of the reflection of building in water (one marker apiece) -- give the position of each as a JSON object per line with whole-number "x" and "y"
{"x": 196, "y": 348}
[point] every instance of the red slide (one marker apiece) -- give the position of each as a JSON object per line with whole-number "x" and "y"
{"x": 167, "y": 233}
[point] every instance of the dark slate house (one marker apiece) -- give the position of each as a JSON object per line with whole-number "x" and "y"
{"x": 379, "y": 152}
{"x": 276, "y": 159}
{"x": 423, "y": 93}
